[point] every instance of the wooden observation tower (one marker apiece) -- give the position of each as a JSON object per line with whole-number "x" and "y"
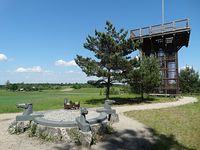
{"x": 164, "y": 41}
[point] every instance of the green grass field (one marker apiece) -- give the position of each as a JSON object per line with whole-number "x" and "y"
{"x": 177, "y": 128}
{"x": 53, "y": 99}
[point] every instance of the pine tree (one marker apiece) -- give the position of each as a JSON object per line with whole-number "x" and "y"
{"x": 111, "y": 50}
{"x": 7, "y": 85}
{"x": 145, "y": 76}
{"x": 189, "y": 80}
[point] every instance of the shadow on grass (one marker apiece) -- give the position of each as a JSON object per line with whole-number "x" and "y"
{"x": 120, "y": 101}
{"x": 139, "y": 140}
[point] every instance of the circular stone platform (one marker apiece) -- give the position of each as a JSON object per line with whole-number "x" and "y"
{"x": 68, "y": 115}
{"x": 67, "y": 118}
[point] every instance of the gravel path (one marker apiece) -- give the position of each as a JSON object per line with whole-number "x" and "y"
{"x": 130, "y": 133}
{"x": 182, "y": 101}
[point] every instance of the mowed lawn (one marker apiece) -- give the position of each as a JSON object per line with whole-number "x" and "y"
{"x": 53, "y": 99}
{"x": 177, "y": 128}
{"x": 47, "y": 99}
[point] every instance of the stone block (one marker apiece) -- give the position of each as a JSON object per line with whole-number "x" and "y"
{"x": 114, "y": 118}
{"x": 18, "y": 127}
{"x": 86, "y": 138}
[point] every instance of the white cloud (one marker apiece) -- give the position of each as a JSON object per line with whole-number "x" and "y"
{"x": 3, "y": 57}
{"x": 65, "y": 63}
{"x": 33, "y": 69}
{"x": 71, "y": 71}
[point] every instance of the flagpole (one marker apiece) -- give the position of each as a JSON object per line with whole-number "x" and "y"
{"x": 163, "y": 12}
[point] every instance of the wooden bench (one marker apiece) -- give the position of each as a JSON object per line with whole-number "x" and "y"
{"x": 71, "y": 105}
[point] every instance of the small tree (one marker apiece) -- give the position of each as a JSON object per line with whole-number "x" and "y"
{"x": 189, "y": 80}
{"x": 7, "y": 85}
{"x": 146, "y": 76}
{"x": 13, "y": 87}
{"x": 110, "y": 50}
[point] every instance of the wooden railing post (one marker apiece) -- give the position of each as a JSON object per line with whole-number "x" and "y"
{"x": 173, "y": 25}
{"x": 150, "y": 30}
{"x": 187, "y": 23}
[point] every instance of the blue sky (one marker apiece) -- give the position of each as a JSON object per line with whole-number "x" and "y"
{"x": 40, "y": 38}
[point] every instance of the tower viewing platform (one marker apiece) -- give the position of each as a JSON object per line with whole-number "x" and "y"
{"x": 164, "y": 41}
{"x": 161, "y": 29}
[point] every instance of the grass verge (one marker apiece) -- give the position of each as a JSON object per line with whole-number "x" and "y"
{"x": 181, "y": 123}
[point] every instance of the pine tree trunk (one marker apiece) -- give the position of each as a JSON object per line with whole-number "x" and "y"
{"x": 108, "y": 88}
{"x": 142, "y": 96}
{"x": 142, "y": 93}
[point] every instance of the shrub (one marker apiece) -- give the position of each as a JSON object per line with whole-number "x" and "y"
{"x": 76, "y": 86}
{"x": 114, "y": 91}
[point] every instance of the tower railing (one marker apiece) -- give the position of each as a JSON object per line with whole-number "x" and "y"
{"x": 160, "y": 28}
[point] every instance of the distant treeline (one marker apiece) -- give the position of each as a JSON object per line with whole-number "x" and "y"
{"x": 41, "y": 86}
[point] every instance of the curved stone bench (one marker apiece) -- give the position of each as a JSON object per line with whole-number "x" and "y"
{"x": 99, "y": 119}
{"x": 51, "y": 123}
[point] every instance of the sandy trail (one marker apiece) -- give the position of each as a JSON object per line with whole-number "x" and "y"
{"x": 130, "y": 134}
{"x": 67, "y": 89}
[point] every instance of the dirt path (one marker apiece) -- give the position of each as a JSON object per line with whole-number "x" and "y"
{"x": 130, "y": 133}
{"x": 67, "y": 89}
{"x": 182, "y": 101}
